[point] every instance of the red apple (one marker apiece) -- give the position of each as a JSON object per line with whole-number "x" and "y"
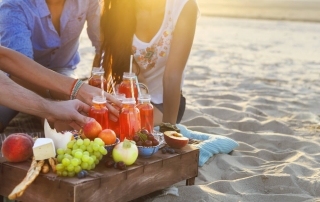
{"x": 92, "y": 129}
{"x": 175, "y": 140}
{"x": 17, "y": 147}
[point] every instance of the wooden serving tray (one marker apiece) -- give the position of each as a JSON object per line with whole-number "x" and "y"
{"x": 105, "y": 184}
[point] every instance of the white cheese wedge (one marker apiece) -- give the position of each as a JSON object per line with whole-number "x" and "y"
{"x": 60, "y": 140}
{"x": 43, "y": 148}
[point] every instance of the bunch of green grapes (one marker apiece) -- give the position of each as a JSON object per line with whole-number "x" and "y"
{"x": 81, "y": 154}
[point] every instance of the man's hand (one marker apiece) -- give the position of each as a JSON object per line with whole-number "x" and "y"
{"x": 70, "y": 112}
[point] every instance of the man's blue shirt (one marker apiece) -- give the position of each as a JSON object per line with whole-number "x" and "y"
{"x": 26, "y": 26}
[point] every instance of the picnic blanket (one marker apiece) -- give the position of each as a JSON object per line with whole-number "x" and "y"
{"x": 208, "y": 144}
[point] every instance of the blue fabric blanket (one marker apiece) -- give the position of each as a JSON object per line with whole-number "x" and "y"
{"x": 209, "y": 145}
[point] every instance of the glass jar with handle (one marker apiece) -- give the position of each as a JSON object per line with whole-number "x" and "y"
{"x": 146, "y": 112}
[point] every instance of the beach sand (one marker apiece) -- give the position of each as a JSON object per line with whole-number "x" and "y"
{"x": 257, "y": 82}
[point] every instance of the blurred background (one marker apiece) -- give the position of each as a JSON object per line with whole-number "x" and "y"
{"x": 300, "y": 10}
{"x": 246, "y": 21}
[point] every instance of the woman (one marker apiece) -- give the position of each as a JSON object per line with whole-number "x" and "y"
{"x": 159, "y": 34}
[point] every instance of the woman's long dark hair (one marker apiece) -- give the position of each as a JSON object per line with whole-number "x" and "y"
{"x": 117, "y": 27}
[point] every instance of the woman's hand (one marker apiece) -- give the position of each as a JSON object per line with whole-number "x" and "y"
{"x": 87, "y": 92}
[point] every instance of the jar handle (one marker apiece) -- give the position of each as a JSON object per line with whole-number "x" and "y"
{"x": 144, "y": 87}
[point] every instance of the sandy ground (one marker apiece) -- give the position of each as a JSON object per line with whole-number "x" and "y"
{"x": 257, "y": 82}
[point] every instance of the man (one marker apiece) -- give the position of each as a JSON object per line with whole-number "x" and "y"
{"x": 18, "y": 98}
{"x": 47, "y": 31}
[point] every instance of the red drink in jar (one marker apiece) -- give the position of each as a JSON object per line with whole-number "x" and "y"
{"x": 99, "y": 111}
{"x": 146, "y": 112}
{"x": 128, "y": 82}
{"x": 115, "y": 126}
{"x": 129, "y": 119}
{"x": 95, "y": 79}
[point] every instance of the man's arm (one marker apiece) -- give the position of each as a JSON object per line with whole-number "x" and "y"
{"x": 26, "y": 69}
{"x": 16, "y": 97}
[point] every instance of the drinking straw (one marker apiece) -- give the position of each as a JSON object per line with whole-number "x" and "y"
{"x": 131, "y": 58}
{"x": 101, "y": 62}
{"x": 138, "y": 87}
{"x": 131, "y": 85}
{"x": 102, "y": 87}
{"x": 131, "y": 82}
{"x": 112, "y": 84}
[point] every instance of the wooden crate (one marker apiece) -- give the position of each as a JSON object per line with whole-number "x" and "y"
{"x": 105, "y": 184}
